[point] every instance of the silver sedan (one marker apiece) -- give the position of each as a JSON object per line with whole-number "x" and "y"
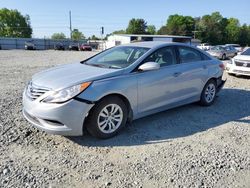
{"x": 119, "y": 85}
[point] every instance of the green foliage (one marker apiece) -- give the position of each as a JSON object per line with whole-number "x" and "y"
{"x": 244, "y": 35}
{"x": 136, "y": 26}
{"x": 151, "y": 29}
{"x": 77, "y": 35}
{"x": 93, "y": 37}
{"x": 119, "y": 32}
{"x": 14, "y": 24}
{"x": 233, "y": 30}
{"x": 210, "y": 28}
{"x": 180, "y": 25}
{"x": 58, "y": 36}
{"x": 162, "y": 30}
{"x": 213, "y": 28}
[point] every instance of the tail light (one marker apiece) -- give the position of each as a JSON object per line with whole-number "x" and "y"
{"x": 222, "y": 66}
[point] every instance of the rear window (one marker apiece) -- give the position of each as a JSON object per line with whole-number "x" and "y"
{"x": 188, "y": 55}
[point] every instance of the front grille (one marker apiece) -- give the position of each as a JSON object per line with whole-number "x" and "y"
{"x": 242, "y": 72}
{"x": 242, "y": 64}
{"x": 33, "y": 91}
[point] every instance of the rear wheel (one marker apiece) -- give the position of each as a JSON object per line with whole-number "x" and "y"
{"x": 209, "y": 93}
{"x": 107, "y": 117}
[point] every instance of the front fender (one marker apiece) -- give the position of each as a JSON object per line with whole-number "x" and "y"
{"x": 125, "y": 85}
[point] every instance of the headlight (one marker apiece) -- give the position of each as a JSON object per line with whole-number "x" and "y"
{"x": 66, "y": 94}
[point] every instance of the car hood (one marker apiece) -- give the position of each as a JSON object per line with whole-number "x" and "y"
{"x": 242, "y": 57}
{"x": 64, "y": 76}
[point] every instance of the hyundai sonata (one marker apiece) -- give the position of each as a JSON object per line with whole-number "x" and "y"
{"x": 119, "y": 85}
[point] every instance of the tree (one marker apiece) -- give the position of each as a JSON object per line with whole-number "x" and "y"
{"x": 119, "y": 32}
{"x": 180, "y": 25}
{"x": 77, "y": 35}
{"x": 151, "y": 29}
{"x": 211, "y": 28}
{"x": 162, "y": 30}
{"x": 233, "y": 30}
{"x": 58, "y": 36}
{"x": 14, "y": 24}
{"x": 136, "y": 26}
{"x": 93, "y": 37}
{"x": 244, "y": 35}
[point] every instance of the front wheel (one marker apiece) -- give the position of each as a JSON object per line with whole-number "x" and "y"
{"x": 224, "y": 57}
{"x": 208, "y": 93}
{"x": 107, "y": 117}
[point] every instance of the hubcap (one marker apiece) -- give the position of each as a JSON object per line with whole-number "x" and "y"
{"x": 110, "y": 118}
{"x": 210, "y": 93}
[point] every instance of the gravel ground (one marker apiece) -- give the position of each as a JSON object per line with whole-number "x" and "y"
{"x": 190, "y": 146}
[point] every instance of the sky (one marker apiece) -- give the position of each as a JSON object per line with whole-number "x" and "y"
{"x": 52, "y": 16}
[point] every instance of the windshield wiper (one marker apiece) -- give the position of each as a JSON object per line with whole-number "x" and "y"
{"x": 114, "y": 67}
{"x": 96, "y": 65}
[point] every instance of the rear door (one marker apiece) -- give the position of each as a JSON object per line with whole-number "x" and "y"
{"x": 194, "y": 68}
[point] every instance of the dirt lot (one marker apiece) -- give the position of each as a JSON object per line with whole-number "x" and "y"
{"x": 190, "y": 146}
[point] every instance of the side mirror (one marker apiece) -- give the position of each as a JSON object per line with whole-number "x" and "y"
{"x": 149, "y": 66}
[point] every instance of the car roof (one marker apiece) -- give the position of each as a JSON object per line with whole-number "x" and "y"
{"x": 152, "y": 44}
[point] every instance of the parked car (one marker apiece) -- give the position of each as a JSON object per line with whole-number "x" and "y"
{"x": 222, "y": 52}
{"x": 236, "y": 46}
{"x": 74, "y": 46}
{"x": 59, "y": 46}
{"x": 85, "y": 47}
{"x": 29, "y": 45}
{"x": 240, "y": 64}
{"x": 204, "y": 46}
{"x": 119, "y": 85}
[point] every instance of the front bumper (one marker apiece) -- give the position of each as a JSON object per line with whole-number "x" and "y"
{"x": 239, "y": 70}
{"x": 63, "y": 119}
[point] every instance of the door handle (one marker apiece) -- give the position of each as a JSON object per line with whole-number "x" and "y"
{"x": 176, "y": 74}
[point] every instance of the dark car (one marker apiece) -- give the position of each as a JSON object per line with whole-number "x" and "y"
{"x": 29, "y": 45}
{"x": 85, "y": 47}
{"x": 59, "y": 46}
{"x": 74, "y": 46}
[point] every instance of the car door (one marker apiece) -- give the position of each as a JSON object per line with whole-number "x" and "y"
{"x": 194, "y": 68}
{"x": 158, "y": 88}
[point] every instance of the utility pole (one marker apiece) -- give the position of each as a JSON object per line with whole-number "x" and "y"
{"x": 102, "y": 33}
{"x": 70, "y": 26}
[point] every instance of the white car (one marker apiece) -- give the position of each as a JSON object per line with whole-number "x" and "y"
{"x": 240, "y": 64}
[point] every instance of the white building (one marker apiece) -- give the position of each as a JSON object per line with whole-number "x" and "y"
{"x": 118, "y": 39}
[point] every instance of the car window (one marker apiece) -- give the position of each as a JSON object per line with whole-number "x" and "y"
{"x": 189, "y": 55}
{"x": 118, "y": 57}
{"x": 246, "y": 52}
{"x": 164, "y": 56}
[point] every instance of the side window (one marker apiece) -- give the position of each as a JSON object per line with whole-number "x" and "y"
{"x": 188, "y": 55}
{"x": 164, "y": 56}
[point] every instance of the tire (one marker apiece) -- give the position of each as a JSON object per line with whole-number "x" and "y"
{"x": 208, "y": 94}
{"x": 101, "y": 123}
{"x": 224, "y": 57}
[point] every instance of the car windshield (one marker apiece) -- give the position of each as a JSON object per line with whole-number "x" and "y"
{"x": 246, "y": 52}
{"x": 217, "y": 48}
{"x": 118, "y": 57}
